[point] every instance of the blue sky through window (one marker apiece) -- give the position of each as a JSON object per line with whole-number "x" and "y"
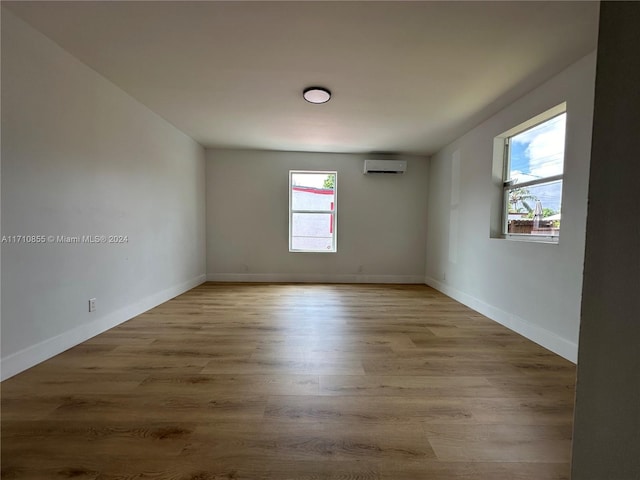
{"x": 538, "y": 153}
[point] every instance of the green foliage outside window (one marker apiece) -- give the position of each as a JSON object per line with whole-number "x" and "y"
{"x": 329, "y": 182}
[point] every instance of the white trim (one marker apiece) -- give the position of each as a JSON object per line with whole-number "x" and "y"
{"x": 535, "y": 333}
{"x": 313, "y": 278}
{"x": 535, "y": 121}
{"x": 28, "y": 357}
{"x": 526, "y": 237}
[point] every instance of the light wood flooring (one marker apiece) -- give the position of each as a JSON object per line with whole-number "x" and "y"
{"x": 295, "y": 382}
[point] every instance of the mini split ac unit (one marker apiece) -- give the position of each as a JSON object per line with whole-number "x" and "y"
{"x": 385, "y": 166}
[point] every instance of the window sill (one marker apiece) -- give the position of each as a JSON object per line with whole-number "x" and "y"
{"x": 514, "y": 237}
{"x": 313, "y": 251}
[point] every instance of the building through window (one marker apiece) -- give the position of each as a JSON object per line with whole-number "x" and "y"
{"x": 312, "y": 211}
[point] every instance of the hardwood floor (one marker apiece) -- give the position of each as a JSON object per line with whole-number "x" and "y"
{"x": 295, "y": 382}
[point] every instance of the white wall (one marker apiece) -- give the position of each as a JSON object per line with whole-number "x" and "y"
{"x": 381, "y": 220}
{"x": 79, "y": 156}
{"x": 533, "y": 288}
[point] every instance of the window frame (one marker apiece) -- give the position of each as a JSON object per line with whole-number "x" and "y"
{"x": 507, "y": 184}
{"x": 332, "y": 213}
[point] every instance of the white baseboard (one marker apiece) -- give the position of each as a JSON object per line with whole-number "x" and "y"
{"x": 313, "y": 278}
{"x": 28, "y": 357}
{"x": 535, "y": 333}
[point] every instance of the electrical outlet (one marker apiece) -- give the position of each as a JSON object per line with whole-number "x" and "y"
{"x": 92, "y": 305}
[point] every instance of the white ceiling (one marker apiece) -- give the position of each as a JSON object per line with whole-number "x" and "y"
{"x": 406, "y": 76}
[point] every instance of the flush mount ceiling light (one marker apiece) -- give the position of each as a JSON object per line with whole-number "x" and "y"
{"x": 316, "y": 94}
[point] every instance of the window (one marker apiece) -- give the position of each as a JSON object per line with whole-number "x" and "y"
{"x": 312, "y": 211}
{"x": 532, "y": 177}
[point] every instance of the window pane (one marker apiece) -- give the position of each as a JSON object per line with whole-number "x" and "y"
{"x": 535, "y": 210}
{"x": 538, "y": 152}
{"x": 312, "y": 191}
{"x": 312, "y": 231}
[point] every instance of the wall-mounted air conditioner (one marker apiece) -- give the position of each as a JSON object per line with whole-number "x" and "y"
{"x": 385, "y": 166}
